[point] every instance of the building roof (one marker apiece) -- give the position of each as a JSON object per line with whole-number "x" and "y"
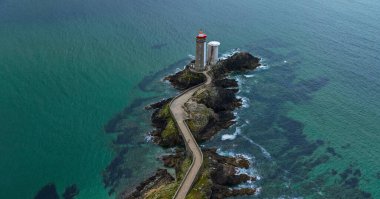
{"x": 214, "y": 43}
{"x": 201, "y": 35}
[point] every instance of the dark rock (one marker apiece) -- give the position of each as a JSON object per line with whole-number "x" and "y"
{"x": 219, "y": 192}
{"x": 159, "y": 104}
{"x": 210, "y": 110}
{"x": 161, "y": 177}
{"x": 241, "y": 61}
{"x": 226, "y": 83}
{"x": 186, "y": 79}
{"x": 173, "y": 160}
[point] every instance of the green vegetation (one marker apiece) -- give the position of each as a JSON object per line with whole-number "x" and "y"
{"x": 190, "y": 78}
{"x": 163, "y": 192}
{"x": 170, "y": 130}
{"x": 203, "y": 185}
{"x": 165, "y": 111}
{"x": 192, "y": 126}
{"x": 183, "y": 168}
{"x": 168, "y": 191}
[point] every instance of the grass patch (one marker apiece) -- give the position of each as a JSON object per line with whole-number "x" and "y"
{"x": 168, "y": 191}
{"x": 163, "y": 192}
{"x": 165, "y": 111}
{"x": 170, "y": 130}
{"x": 203, "y": 185}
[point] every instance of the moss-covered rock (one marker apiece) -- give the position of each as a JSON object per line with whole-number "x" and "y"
{"x": 166, "y": 133}
{"x": 199, "y": 117}
{"x": 218, "y": 98}
{"x": 186, "y": 79}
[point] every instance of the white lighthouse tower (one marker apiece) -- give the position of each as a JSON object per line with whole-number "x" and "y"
{"x": 200, "y": 52}
{"x": 212, "y": 52}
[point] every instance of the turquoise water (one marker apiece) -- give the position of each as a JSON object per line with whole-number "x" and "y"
{"x": 66, "y": 69}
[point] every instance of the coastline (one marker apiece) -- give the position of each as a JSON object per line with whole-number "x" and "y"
{"x": 210, "y": 110}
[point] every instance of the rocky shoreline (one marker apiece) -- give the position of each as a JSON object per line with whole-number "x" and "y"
{"x": 210, "y": 110}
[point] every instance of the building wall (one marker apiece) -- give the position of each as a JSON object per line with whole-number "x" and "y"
{"x": 200, "y": 56}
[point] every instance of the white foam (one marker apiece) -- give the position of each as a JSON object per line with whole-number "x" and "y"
{"x": 245, "y": 101}
{"x": 191, "y": 56}
{"x": 232, "y": 136}
{"x": 228, "y": 137}
{"x": 236, "y": 116}
{"x": 263, "y": 150}
{"x": 263, "y": 67}
{"x": 177, "y": 70}
{"x": 229, "y": 53}
{"x": 148, "y": 138}
{"x": 249, "y": 76}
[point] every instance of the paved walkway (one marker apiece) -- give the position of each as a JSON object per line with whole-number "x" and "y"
{"x": 179, "y": 114}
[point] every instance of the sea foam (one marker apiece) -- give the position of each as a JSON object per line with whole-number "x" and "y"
{"x": 229, "y": 53}
{"x": 232, "y": 136}
{"x": 245, "y": 101}
{"x": 249, "y": 76}
{"x": 263, "y": 67}
{"x": 263, "y": 150}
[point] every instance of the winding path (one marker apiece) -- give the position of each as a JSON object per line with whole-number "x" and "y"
{"x": 179, "y": 114}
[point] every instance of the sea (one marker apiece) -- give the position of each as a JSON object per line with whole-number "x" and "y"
{"x": 75, "y": 76}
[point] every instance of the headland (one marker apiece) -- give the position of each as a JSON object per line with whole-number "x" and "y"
{"x": 207, "y": 108}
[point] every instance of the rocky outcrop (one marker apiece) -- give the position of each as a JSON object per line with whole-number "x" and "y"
{"x": 185, "y": 79}
{"x": 200, "y": 117}
{"x": 239, "y": 62}
{"x": 209, "y": 110}
{"x": 165, "y": 133}
{"x": 160, "y": 178}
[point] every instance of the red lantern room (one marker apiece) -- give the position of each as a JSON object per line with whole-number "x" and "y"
{"x": 201, "y": 35}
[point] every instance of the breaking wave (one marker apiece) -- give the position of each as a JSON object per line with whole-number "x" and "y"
{"x": 229, "y": 53}
{"x": 263, "y": 67}
{"x": 263, "y": 150}
{"x": 232, "y": 136}
{"x": 245, "y": 101}
{"x": 249, "y": 76}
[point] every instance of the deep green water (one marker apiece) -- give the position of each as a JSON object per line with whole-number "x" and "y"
{"x": 68, "y": 67}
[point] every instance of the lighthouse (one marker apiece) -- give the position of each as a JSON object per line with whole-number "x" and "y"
{"x": 200, "y": 52}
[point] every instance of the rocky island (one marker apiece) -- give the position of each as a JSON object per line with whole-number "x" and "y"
{"x": 209, "y": 110}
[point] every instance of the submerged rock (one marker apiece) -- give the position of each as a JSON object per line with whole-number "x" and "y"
{"x": 70, "y": 192}
{"x": 49, "y": 191}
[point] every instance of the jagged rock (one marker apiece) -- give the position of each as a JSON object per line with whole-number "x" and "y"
{"x": 165, "y": 133}
{"x": 160, "y": 178}
{"x": 173, "y": 160}
{"x": 185, "y": 79}
{"x": 218, "y": 98}
{"x": 219, "y": 192}
{"x": 226, "y": 83}
{"x": 159, "y": 104}
{"x": 199, "y": 117}
{"x": 209, "y": 110}
{"x": 238, "y": 62}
